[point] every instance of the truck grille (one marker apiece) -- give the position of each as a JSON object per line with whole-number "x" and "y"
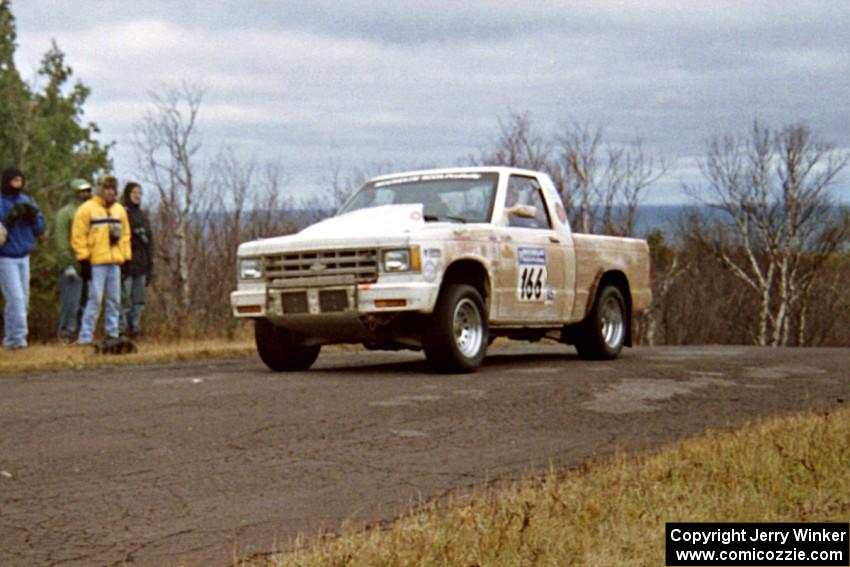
{"x": 322, "y": 267}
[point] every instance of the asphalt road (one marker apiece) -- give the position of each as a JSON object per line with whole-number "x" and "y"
{"x": 198, "y": 463}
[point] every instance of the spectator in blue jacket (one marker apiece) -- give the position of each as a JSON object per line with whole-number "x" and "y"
{"x": 22, "y": 222}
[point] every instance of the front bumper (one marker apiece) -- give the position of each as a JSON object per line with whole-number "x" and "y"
{"x": 362, "y": 299}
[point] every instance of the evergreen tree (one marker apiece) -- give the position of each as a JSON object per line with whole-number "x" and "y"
{"x": 14, "y": 95}
{"x": 43, "y": 133}
{"x": 59, "y": 147}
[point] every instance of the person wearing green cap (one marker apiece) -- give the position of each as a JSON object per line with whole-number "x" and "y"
{"x": 71, "y": 277}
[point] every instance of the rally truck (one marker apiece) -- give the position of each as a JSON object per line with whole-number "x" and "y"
{"x": 442, "y": 261}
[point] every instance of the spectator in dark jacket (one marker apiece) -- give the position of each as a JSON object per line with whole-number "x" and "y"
{"x": 22, "y": 222}
{"x": 138, "y": 272}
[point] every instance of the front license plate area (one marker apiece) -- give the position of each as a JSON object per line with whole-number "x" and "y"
{"x": 333, "y": 301}
{"x": 313, "y": 301}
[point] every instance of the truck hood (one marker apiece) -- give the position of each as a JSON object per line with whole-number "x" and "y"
{"x": 365, "y": 227}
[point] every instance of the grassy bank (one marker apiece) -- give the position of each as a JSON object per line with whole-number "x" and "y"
{"x": 57, "y": 356}
{"x": 613, "y": 512}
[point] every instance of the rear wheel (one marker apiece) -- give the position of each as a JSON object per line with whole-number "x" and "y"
{"x": 603, "y": 333}
{"x": 455, "y": 339}
{"x": 281, "y": 349}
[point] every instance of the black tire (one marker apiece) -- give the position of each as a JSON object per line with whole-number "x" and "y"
{"x": 281, "y": 349}
{"x": 455, "y": 337}
{"x": 602, "y": 335}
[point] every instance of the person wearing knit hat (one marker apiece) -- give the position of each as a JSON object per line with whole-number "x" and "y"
{"x": 72, "y": 280}
{"x": 100, "y": 235}
{"x": 136, "y": 273}
{"x": 23, "y": 222}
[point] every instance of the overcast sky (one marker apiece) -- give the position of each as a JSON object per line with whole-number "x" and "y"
{"x": 413, "y": 82}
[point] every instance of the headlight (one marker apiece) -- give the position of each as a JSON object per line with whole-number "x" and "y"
{"x": 406, "y": 260}
{"x": 250, "y": 269}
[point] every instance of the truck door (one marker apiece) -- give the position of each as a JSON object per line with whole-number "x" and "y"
{"x": 531, "y": 276}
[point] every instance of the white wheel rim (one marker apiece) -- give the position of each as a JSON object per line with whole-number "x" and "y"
{"x": 612, "y": 323}
{"x": 467, "y": 327}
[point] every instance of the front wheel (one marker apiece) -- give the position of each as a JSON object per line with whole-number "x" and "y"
{"x": 281, "y": 349}
{"x": 455, "y": 339}
{"x": 603, "y": 333}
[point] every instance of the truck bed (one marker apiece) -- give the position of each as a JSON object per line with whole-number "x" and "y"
{"x": 598, "y": 254}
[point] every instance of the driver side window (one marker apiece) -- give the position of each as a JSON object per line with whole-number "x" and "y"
{"x": 526, "y": 191}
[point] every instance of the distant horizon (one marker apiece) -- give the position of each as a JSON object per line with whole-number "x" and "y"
{"x": 650, "y": 216}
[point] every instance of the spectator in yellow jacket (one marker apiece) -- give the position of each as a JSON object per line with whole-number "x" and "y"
{"x": 100, "y": 237}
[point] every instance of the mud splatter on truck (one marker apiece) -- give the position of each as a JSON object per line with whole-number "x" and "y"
{"x": 443, "y": 261}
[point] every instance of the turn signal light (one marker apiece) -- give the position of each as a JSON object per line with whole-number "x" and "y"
{"x": 390, "y": 302}
{"x": 248, "y": 309}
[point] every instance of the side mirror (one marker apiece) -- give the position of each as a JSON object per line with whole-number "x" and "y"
{"x": 522, "y": 211}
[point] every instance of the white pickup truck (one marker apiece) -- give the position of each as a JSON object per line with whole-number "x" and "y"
{"x": 444, "y": 261}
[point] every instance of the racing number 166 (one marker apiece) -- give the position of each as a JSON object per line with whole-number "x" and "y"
{"x": 532, "y": 282}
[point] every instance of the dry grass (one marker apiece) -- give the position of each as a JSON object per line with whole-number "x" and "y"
{"x": 71, "y": 357}
{"x": 613, "y": 512}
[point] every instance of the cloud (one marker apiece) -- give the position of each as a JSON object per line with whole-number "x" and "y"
{"x": 388, "y": 81}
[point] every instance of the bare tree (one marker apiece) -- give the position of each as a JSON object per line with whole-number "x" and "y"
{"x": 579, "y": 173}
{"x": 602, "y": 184}
{"x": 829, "y": 304}
{"x": 272, "y": 213}
{"x": 668, "y": 267}
{"x": 229, "y": 191}
{"x": 241, "y": 201}
{"x": 774, "y": 226}
{"x": 519, "y": 145}
{"x": 166, "y": 141}
{"x": 337, "y": 186}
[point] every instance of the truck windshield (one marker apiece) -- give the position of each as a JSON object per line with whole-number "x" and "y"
{"x": 453, "y": 197}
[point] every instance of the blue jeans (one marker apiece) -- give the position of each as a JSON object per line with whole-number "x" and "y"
{"x": 15, "y": 285}
{"x": 105, "y": 281}
{"x": 132, "y": 304}
{"x": 70, "y": 294}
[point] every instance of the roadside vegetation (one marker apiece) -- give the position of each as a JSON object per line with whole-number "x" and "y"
{"x": 612, "y": 511}
{"x": 53, "y": 356}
